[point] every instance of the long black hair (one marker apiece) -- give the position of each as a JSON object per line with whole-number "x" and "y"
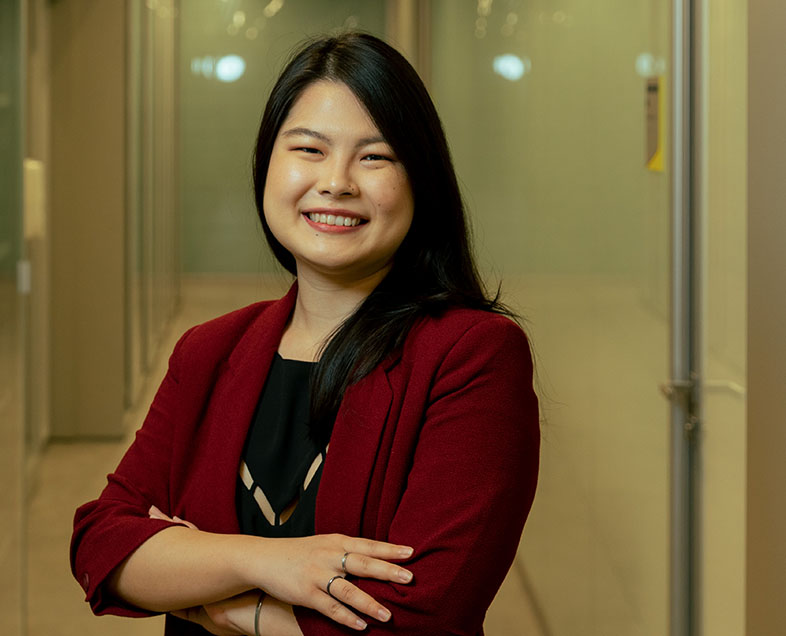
{"x": 433, "y": 268}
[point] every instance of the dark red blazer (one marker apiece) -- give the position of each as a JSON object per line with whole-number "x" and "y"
{"x": 437, "y": 448}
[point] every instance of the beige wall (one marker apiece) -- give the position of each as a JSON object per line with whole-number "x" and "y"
{"x": 11, "y": 411}
{"x": 723, "y": 314}
{"x": 571, "y": 125}
{"x": 88, "y": 215}
{"x": 37, "y": 223}
{"x": 766, "y": 513}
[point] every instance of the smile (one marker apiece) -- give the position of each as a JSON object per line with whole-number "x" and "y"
{"x": 334, "y": 219}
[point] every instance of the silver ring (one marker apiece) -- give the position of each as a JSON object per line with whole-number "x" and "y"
{"x": 344, "y": 562}
{"x": 330, "y": 582}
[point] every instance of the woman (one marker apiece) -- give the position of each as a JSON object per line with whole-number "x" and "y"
{"x": 385, "y": 381}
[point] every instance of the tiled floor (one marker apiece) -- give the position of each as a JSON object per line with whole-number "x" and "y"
{"x": 71, "y": 474}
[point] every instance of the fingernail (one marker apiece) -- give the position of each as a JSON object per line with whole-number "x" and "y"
{"x": 383, "y": 614}
{"x": 405, "y": 575}
{"x": 405, "y": 552}
{"x": 361, "y": 624}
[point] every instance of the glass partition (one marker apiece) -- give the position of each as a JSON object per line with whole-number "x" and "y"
{"x": 556, "y": 117}
{"x": 153, "y": 211}
{"x": 12, "y": 438}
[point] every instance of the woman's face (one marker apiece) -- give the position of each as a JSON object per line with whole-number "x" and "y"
{"x": 336, "y": 196}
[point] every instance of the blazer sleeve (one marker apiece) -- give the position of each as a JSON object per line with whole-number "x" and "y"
{"x": 109, "y": 529}
{"x": 469, "y": 490}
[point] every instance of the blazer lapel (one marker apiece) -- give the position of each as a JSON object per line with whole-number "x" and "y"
{"x": 234, "y": 401}
{"x": 352, "y": 454}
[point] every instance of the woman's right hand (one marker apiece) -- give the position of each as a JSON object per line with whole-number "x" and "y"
{"x": 297, "y": 571}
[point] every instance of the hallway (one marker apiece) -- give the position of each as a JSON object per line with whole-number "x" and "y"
{"x": 621, "y": 168}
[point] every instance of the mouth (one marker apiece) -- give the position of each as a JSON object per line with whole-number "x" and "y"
{"x": 334, "y": 218}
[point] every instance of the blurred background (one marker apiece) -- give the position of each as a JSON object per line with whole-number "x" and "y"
{"x": 603, "y": 151}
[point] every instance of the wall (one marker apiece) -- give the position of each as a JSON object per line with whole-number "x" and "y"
{"x": 766, "y": 514}
{"x": 723, "y": 323}
{"x": 12, "y": 509}
{"x": 37, "y": 225}
{"x": 152, "y": 259}
{"x": 10, "y": 190}
{"x": 573, "y": 122}
{"x": 88, "y": 217}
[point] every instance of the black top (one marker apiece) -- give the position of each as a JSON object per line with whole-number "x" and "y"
{"x": 281, "y": 465}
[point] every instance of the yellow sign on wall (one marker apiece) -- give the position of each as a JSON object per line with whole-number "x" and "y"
{"x": 655, "y": 127}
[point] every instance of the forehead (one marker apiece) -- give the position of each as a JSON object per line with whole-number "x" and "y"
{"x": 325, "y": 105}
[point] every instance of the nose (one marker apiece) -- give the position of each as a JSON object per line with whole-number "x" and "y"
{"x": 337, "y": 181}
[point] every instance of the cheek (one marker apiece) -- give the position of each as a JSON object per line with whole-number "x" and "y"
{"x": 401, "y": 203}
{"x": 393, "y": 196}
{"x": 283, "y": 177}
{"x": 284, "y": 189}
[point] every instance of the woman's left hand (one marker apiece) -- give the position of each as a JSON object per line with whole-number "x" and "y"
{"x": 155, "y": 513}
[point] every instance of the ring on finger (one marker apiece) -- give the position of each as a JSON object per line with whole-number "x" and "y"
{"x": 344, "y": 562}
{"x": 330, "y": 582}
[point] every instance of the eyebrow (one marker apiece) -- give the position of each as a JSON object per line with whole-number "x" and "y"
{"x": 365, "y": 141}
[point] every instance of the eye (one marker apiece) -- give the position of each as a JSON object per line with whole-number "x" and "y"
{"x": 375, "y": 157}
{"x": 308, "y": 150}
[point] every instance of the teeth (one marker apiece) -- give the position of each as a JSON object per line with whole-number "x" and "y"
{"x": 332, "y": 219}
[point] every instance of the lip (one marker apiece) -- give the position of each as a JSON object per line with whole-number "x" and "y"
{"x": 336, "y": 229}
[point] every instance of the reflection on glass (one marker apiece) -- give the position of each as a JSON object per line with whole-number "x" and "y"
{"x": 230, "y": 68}
{"x": 273, "y": 8}
{"x": 647, "y": 65}
{"x": 484, "y": 7}
{"x": 511, "y": 67}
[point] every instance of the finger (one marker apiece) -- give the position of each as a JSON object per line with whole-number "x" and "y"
{"x": 191, "y": 614}
{"x": 200, "y": 616}
{"x": 188, "y": 524}
{"x": 378, "y": 549}
{"x": 354, "y": 597}
{"x": 370, "y": 568}
{"x": 338, "y": 612}
{"x": 155, "y": 513}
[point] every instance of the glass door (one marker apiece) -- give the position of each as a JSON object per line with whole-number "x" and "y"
{"x": 557, "y": 117}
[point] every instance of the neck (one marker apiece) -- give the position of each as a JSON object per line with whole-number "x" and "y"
{"x": 321, "y": 306}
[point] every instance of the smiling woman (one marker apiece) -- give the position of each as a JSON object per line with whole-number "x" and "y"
{"x": 362, "y": 452}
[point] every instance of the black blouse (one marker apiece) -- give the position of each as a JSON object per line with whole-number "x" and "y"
{"x": 281, "y": 465}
